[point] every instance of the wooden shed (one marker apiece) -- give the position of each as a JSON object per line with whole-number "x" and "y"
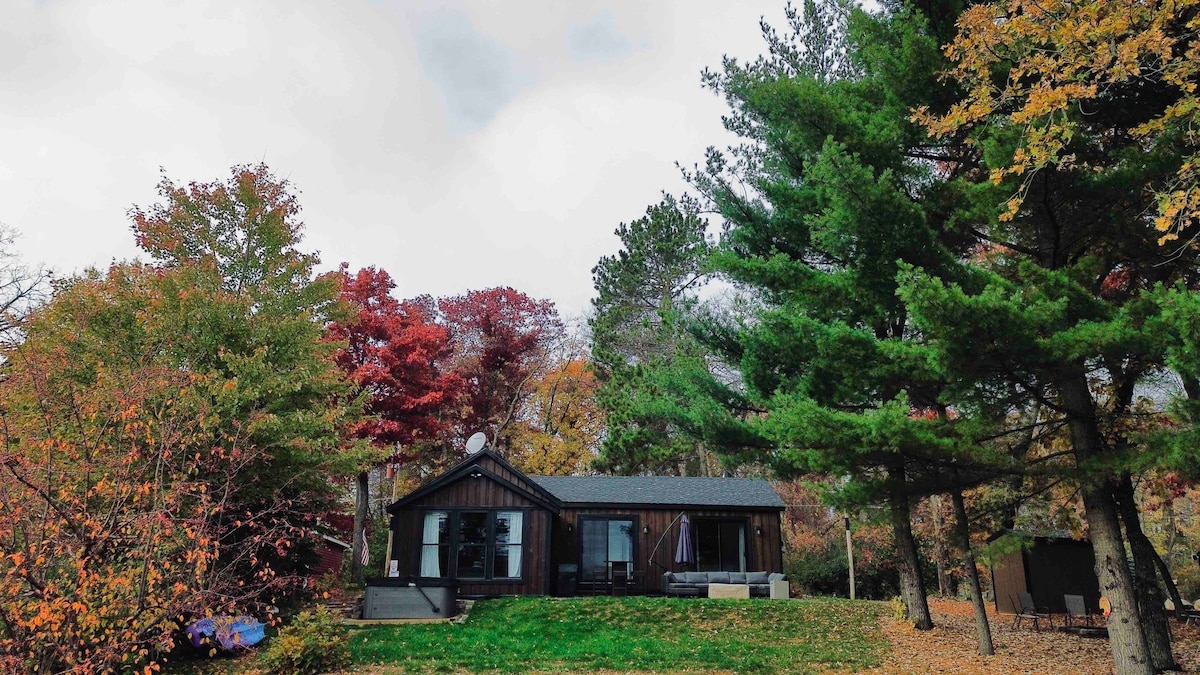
{"x": 490, "y": 529}
{"x": 330, "y": 551}
{"x": 1049, "y": 568}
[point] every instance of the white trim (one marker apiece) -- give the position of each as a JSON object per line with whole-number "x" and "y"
{"x": 336, "y": 541}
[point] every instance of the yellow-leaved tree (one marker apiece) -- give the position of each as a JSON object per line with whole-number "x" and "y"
{"x": 561, "y": 431}
{"x": 1042, "y": 66}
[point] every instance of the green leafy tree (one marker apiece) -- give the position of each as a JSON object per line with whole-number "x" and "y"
{"x": 1061, "y": 307}
{"x": 251, "y": 313}
{"x": 142, "y": 480}
{"x": 834, "y": 189}
{"x": 641, "y": 348}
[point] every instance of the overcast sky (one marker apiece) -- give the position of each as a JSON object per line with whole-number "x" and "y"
{"x": 458, "y": 145}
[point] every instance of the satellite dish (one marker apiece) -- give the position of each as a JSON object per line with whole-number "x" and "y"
{"x": 476, "y": 442}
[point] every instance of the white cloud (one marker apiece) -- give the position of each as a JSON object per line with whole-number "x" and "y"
{"x": 457, "y": 145}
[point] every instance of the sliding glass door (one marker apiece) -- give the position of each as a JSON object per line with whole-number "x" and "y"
{"x": 720, "y": 545}
{"x": 606, "y": 541}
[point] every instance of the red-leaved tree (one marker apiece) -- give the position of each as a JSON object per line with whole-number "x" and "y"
{"x": 503, "y": 341}
{"x": 394, "y": 354}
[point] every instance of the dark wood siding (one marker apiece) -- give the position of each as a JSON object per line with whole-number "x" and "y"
{"x": 1058, "y": 567}
{"x": 329, "y": 558}
{"x": 1048, "y": 570}
{"x": 515, "y": 478}
{"x": 481, "y": 492}
{"x": 1008, "y": 579}
{"x": 763, "y": 551}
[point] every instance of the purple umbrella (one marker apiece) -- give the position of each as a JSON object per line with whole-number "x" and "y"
{"x": 683, "y": 552}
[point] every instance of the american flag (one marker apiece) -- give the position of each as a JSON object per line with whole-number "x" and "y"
{"x": 366, "y": 554}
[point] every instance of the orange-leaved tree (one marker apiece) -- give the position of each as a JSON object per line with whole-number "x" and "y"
{"x": 116, "y": 487}
{"x": 167, "y": 433}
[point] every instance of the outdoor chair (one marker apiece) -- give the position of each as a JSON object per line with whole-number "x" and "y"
{"x": 638, "y": 582}
{"x": 620, "y": 580}
{"x": 1190, "y": 613}
{"x": 1027, "y": 606}
{"x": 1077, "y": 610}
{"x": 1021, "y": 612}
{"x": 599, "y": 579}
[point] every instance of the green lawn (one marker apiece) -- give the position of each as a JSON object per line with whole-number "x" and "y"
{"x": 631, "y": 634}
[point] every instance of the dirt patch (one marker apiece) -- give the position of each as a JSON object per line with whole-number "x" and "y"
{"x": 951, "y": 646}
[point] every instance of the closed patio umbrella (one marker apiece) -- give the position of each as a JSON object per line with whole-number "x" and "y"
{"x": 683, "y": 552}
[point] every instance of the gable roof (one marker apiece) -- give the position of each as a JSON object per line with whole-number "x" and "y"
{"x": 470, "y": 466}
{"x": 747, "y": 493}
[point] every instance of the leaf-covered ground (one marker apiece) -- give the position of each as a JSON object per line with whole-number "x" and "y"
{"x": 950, "y": 647}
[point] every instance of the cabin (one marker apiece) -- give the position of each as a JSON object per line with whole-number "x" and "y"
{"x": 489, "y": 529}
{"x": 1048, "y": 568}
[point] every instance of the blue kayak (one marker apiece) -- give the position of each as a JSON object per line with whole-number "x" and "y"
{"x": 231, "y": 632}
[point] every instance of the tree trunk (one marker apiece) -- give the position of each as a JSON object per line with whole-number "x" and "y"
{"x": 1126, "y": 638}
{"x": 941, "y": 552}
{"x": 1149, "y": 596}
{"x": 963, "y": 530}
{"x": 360, "y": 522}
{"x": 1169, "y": 582}
{"x": 912, "y": 585}
{"x": 1167, "y": 577}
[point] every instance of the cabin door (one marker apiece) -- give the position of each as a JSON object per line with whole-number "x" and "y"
{"x": 606, "y": 542}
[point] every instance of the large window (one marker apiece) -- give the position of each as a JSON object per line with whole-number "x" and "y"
{"x": 435, "y": 545}
{"x": 720, "y": 545}
{"x": 606, "y": 541}
{"x": 472, "y": 544}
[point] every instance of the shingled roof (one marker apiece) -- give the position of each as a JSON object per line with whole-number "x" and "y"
{"x": 661, "y": 490}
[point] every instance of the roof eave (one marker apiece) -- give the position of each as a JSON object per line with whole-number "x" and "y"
{"x": 670, "y": 506}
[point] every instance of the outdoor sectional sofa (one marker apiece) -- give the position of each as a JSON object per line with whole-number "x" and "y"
{"x": 696, "y": 583}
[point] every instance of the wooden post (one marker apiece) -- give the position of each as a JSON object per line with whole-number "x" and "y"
{"x": 849, "y": 555}
{"x": 387, "y": 557}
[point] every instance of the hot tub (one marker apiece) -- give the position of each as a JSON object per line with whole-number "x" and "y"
{"x": 402, "y": 598}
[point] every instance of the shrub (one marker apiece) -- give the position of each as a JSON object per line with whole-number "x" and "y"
{"x": 315, "y": 642}
{"x": 821, "y": 570}
{"x": 1187, "y": 578}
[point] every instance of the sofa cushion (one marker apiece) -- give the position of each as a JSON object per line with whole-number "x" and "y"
{"x": 718, "y": 577}
{"x": 695, "y": 577}
{"x": 777, "y": 576}
{"x": 737, "y": 577}
{"x": 674, "y": 578}
{"x": 756, "y": 577}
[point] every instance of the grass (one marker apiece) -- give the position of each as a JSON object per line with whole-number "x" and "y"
{"x": 634, "y": 634}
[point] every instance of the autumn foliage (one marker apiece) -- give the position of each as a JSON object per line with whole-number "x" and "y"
{"x": 396, "y": 354}
{"x": 117, "y": 488}
{"x": 1060, "y": 60}
{"x": 562, "y": 425}
{"x": 167, "y": 433}
{"x": 503, "y": 341}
